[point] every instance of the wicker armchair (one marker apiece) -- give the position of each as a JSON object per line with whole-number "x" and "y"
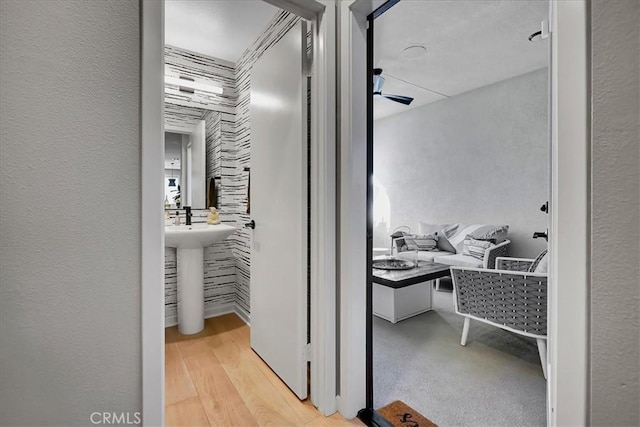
{"x": 507, "y": 297}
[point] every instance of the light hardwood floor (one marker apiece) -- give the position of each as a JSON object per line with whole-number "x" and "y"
{"x": 214, "y": 379}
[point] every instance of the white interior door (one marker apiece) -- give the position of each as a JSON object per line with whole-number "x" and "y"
{"x": 279, "y": 210}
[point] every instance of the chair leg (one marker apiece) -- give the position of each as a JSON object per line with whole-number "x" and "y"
{"x": 542, "y": 350}
{"x": 437, "y": 284}
{"x": 465, "y": 331}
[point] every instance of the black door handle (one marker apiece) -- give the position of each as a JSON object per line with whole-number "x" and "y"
{"x": 539, "y": 234}
{"x": 250, "y": 224}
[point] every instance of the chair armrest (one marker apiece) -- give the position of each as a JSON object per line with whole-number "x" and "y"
{"x": 498, "y": 272}
{"x": 514, "y": 300}
{"x": 494, "y": 252}
{"x": 513, "y": 264}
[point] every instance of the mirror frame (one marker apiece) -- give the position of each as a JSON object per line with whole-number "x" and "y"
{"x": 193, "y": 166}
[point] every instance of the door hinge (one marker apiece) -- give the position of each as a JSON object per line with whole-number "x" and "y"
{"x": 307, "y": 352}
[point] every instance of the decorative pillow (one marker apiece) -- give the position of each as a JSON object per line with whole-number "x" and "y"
{"x": 543, "y": 265}
{"x": 426, "y": 228}
{"x": 443, "y": 237}
{"x": 456, "y": 233}
{"x": 494, "y": 241}
{"x": 434, "y": 229}
{"x": 421, "y": 243}
{"x": 475, "y": 247}
{"x": 485, "y": 231}
{"x": 540, "y": 264}
{"x": 399, "y": 241}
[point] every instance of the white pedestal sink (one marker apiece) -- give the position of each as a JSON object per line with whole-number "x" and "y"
{"x": 190, "y": 241}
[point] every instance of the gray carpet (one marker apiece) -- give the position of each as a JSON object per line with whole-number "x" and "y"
{"x": 495, "y": 380}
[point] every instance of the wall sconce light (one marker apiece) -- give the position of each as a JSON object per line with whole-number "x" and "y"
{"x": 185, "y": 82}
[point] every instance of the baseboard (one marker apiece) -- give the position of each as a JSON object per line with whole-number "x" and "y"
{"x": 214, "y": 312}
{"x": 219, "y": 311}
{"x": 246, "y": 317}
{"x": 170, "y": 321}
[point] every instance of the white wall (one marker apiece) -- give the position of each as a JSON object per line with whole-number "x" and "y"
{"x": 69, "y": 256}
{"x": 615, "y": 234}
{"x": 479, "y": 157}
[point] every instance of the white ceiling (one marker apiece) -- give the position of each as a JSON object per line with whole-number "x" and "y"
{"x": 469, "y": 44}
{"x": 219, "y": 28}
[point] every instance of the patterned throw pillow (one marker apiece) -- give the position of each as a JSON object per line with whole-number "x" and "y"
{"x": 398, "y": 237}
{"x": 543, "y": 265}
{"x": 456, "y": 233}
{"x": 476, "y": 248}
{"x": 434, "y": 229}
{"x": 427, "y": 228}
{"x": 421, "y": 243}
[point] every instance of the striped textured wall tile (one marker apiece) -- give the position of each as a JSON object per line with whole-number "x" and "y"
{"x": 181, "y": 62}
{"x": 170, "y": 284}
{"x": 213, "y": 136}
{"x": 180, "y": 117}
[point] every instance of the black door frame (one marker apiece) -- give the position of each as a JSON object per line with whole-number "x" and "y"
{"x": 368, "y": 415}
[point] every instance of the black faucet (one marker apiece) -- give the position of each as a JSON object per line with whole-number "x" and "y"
{"x": 188, "y": 214}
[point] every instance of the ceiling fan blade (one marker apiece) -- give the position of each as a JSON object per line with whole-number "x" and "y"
{"x": 378, "y": 82}
{"x": 406, "y": 100}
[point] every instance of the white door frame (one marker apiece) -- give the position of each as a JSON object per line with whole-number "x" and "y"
{"x": 353, "y": 202}
{"x": 570, "y": 215}
{"x": 323, "y": 204}
{"x": 152, "y": 217}
{"x": 322, "y": 15}
{"x": 323, "y": 211}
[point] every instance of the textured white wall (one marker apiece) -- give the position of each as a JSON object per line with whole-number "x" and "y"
{"x": 69, "y": 256}
{"x": 615, "y": 262}
{"x": 479, "y": 157}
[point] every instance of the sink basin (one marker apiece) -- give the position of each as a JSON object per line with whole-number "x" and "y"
{"x": 196, "y": 235}
{"x": 190, "y": 241}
